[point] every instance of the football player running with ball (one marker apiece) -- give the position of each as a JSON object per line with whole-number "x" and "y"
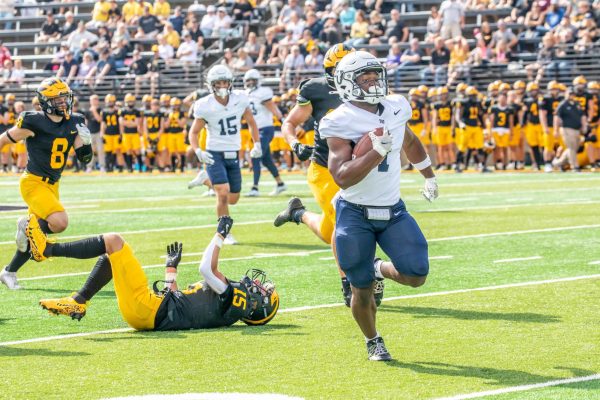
{"x": 215, "y": 302}
{"x": 221, "y": 112}
{"x": 369, "y": 210}
{"x": 49, "y": 135}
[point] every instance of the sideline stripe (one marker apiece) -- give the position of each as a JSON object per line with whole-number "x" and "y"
{"x": 306, "y": 308}
{"x": 522, "y": 388}
{"x": 594, "y": 262}
{"x": 304, "y": 253}
{"x": 507, "y": 260}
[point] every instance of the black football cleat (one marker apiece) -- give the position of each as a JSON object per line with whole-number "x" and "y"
{"x": 377, "y": 351}
{"x": 287, "y": 215}
{"x": 346, "y": 291}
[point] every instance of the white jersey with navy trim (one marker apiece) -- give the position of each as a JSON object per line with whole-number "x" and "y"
{"x": 381, "y": 187}
{"x": 223, "y": 123}
{"x": 262, "y": 115}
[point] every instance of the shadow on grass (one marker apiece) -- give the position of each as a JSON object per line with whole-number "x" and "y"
{"x": 3, "y": 320}
{"x": 137, "y": 335}
{"x": 67, "y": 292}
{"x": 492, "y": 376}
{"x": 22, "y": 352}
{"x": 431, "y": 312}
{"x": 270, "y": 329}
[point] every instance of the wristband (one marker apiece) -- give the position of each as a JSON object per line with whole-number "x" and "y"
{"x": 423, "y": 164}
{"x": 10, "y": 137}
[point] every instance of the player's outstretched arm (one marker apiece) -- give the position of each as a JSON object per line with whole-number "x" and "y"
{"x": 209, "y": 266}
{"x": 297, "y": 116}
{"x": 14, "y": 135}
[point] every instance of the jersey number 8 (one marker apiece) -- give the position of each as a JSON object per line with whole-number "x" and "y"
{"x": 57, "y": 158}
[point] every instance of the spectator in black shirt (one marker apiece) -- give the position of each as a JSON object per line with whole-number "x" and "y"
{"x": 376, "y": 28}
{"x": 193, "y": 28}
{"x": 105, "y": 67}
{"x": 242, "y": 10}
{"x": 68, "y": 68}
{"x": 331, "y": 33}
{"x": 438, "y": 66}
{"x": 120, "y": 53}
{"x": 314, "y": 24}
{"x": 138, "y": 70}
{"x": 70, "y": 25}
{"x": 570, "y": 121}
{"x": 149, "y": 25}
{"x": 177, "y": 20}
{"x": 397, "y": 28}
{"x": 50, "y": 30}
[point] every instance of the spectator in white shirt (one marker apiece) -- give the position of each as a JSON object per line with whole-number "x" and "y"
{"x": 292, "y": 65}
{"x": 223, "y": 22}
{"x": 207, "y": 25}
{"x": 13, "y": 75}
{"x": 296, "y": 25}
{"x": 165, "y": 50}
{"x": 80, "y": 34}
{"x": 452, "y": 13}
{"x": 242, "y": 62}
{"x": 188, "y": 49}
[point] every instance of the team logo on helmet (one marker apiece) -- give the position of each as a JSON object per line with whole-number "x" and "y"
{"x": 263, "y": 297}
{"x": 353, "y": 66}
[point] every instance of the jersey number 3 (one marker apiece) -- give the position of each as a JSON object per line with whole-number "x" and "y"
{"x": 228, "y": 126}
{"x": 57, "y": 158}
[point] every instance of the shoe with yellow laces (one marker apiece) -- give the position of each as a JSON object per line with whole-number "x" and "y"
{"x": 65, "y": 306}
{"x": 37, "y": 239}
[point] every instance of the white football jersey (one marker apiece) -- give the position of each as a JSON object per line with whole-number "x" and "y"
{"x": 381, "y": 187}
{"x": 262, "y": 115}
{"x": 222, "y": 122}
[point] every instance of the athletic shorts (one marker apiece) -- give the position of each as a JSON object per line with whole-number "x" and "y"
{"x": 323, "y": 188}
{"x": 444, "y": 135}
{"x": 131, "y": 142}
{"x": 472, "y": 137}
{"x": 357, "y": 237}
{"x": 501, "y": 137}
{"x": 226, "y": 169}
{"x": 176, "y": 142}
{"x": 137, "y": 303}
{"x": 40, "y": 195}
{"x": 246, "y": 139}
{"x": 534, "y": 134}
{"x": 111, "y": 143}
{"x": 308, "y": 138}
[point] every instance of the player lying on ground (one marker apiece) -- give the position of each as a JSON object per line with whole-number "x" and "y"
{"x": 216, "y": 302}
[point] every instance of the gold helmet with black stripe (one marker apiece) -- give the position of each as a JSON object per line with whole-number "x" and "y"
{"x": 175, "y": 103}
{"x": 333, "y": 56}
{"x": 110, "y": 100}
{"x": 262, "y": 296}
{"x": 55, "y": 97}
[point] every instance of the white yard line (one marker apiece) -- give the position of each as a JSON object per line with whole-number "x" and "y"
{"x": 522, "y": 388}
{"x": 525, "y": 232}
{"x": 504, "y": 206}
{"x": 595, "y": 262}
{"x": 508, "y": 260}
{"x": 307, "y": 308}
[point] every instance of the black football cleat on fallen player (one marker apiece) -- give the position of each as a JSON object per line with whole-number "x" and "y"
{"x": 377, "y": 351}
{"x": 346, "y": 291}
{"x": 287, "y": 215}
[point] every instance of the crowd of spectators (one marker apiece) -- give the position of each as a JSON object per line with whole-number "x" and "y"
{"x": 139, "y": 37}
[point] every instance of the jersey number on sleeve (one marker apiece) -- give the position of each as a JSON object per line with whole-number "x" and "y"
{"x": 239, "y": 298}
{"x": 228, "y": 126}
{"x": 57, "y": 158}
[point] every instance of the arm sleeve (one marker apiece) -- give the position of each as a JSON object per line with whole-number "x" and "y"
{"x": 25, "y": 121}
{"x": 217, "y": 285}
{"x": 304, "y": 95}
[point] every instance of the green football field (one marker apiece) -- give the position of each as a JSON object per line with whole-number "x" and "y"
{"x": 511, "y": 308}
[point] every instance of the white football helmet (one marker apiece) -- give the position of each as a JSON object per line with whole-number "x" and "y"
{"x": 252, "y": 75}
{"x": 351, "y": 67}
{"x": 219, "y": 73}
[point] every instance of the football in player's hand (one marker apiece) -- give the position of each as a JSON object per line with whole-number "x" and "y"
{"x": 365, "y": 144}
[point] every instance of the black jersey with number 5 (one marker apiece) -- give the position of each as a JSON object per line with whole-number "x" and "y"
{"x": 201, "y": 307}
{"x": 48, "y": 149}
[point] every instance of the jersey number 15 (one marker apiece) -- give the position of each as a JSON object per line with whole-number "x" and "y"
{"x": 228, "y": 126}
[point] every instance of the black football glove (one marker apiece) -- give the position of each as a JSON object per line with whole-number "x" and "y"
{"x": 174, "y": 254}
{"x": 224, "y": 226}
{"x": 303, "y": 152}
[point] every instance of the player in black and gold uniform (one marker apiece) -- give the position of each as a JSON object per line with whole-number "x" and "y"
{"x": 470, "y": 121}
{"x": 441, "y": 121}
{"x": 7, "y": 120}
{"x": 548, "y": 105}
{"x": 111, "y": 133}
{"x": 215, "y": 302}
{"x": 175, "y": 123}
{"x": 130, "y": 122}
{"x": 49, "y": 134}
{"x": 531, "y": 120}
{"x": 586, "y": 101}
{"x": 594, "y": 90}
{"x": 155, "y": 141}
{"x": 419, "y": 120}
{"x": 515, "y": 144}
{"x": 317, "y": 100}
{"x": 500, "y": 127}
